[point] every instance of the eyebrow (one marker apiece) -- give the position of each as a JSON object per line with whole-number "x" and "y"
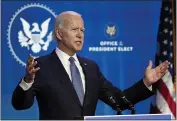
{"x": 78, "y": 28}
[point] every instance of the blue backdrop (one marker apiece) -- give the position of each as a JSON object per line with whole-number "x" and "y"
{"x": 120, "y": 36}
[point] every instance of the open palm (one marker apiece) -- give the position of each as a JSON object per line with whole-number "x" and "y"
{"x": 152, "y": 75}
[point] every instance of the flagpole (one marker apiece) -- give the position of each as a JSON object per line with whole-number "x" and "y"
{"x": 174, "y": 39}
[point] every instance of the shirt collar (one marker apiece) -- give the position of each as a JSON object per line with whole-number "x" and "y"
{"x": 65, "y": 57}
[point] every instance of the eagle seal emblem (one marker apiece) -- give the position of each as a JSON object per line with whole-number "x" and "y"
{"x": 30, "y": 33}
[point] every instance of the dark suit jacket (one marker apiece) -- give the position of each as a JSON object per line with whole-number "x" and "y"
{"x": 57, "y": 98}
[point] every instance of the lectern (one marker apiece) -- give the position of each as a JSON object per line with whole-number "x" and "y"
{"x": 131, "y": 117}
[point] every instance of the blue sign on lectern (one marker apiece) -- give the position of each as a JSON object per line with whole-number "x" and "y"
{"x": 131, "y": 117}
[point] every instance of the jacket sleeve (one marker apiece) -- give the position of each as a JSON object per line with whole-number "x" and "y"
{"x": 134, "y": 94}
{"x": 22, "y": 99}
{"x": 137, "y": 92}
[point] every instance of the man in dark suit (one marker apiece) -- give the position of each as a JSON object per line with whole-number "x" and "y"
{"x": 67, "y": 85}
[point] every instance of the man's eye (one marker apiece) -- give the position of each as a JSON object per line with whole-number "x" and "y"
{"x": 74, "y": 29}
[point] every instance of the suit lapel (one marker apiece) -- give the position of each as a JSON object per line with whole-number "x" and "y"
{"x": 88, "y": 83}
{"x": 60, "y": 74}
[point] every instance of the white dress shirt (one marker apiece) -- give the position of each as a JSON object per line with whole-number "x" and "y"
{"x": 66, "y": 63}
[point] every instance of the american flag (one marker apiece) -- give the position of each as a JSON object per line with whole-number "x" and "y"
{"x": 165, "y": 98}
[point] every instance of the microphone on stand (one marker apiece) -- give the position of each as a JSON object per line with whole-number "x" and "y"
{"x": 128, "y": 103}
{"x": 113, "y": 102}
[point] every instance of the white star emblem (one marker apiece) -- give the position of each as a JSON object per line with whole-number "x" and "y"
{"x": 165, "y": 31}
{"x": 164, "y": 52}
{"x": 166, "y": 19}
{"x": 170, "y": 21}
{"x": 165, "y": 42}
{"x": 171, "y": 32}
{"x": 166, "y": 8}
{"x": 170, "y": 10}
{"x": 171, "y": 54}
{"x": 171, "y": 43}
{"x": 171, "y": 65}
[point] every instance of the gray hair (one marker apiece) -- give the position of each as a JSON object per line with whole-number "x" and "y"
{"x": 59, "y": 23}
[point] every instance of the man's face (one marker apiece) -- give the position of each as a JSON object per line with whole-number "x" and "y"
{"x": 72, "y": 34}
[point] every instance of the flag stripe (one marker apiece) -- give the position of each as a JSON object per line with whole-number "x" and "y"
{"x": 167, "y": 79}
{"x": 166, "y": 94}
{"x": 162, "y": 105}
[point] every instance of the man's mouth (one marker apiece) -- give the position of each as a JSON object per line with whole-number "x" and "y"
{"x": 78, "y": 42}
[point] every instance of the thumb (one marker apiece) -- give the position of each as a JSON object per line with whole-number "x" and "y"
{"x": 150, "y": 65}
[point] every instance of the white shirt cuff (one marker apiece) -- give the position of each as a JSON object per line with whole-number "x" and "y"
{"x": 150, "y": 87}
{"x": 25, "y": 86}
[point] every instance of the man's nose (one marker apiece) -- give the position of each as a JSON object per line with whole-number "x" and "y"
{"x": 79, "y": 34}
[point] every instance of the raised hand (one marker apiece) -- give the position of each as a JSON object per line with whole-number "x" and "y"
{"x": 153, "y": 75}
{"x": 30, "y": 69}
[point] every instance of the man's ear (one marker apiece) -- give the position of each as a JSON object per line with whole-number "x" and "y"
{"x": 58, "y": 33}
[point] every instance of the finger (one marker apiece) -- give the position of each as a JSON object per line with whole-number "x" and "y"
{"x": 159, "y": 69}
{"x": 165, "y": 63}
{"x": 158, "y": 76}
{"x": 164, "y": 66}
{"x": 31, "y": 66}
{"x": 30, "y": 59}
{"x": 150, "y": 65}
{"x": 33, "y": 71}
{"x": 163, "y": 72}
{"x": 166, "y": 71}
{"x": 36, "y": 70}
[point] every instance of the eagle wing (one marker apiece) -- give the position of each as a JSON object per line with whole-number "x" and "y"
{"x": 26, "y": 27}
{"x": 44, "y": 27}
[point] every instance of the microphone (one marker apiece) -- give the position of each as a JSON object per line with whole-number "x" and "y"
{"x": 114, "y": 103}
{"x": 128, "y": 103}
